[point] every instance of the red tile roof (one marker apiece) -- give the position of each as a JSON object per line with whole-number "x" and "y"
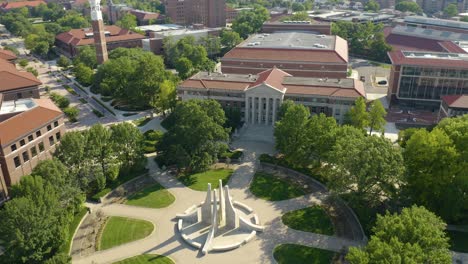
{"x": 144, "y": 15}
{"x": 456, "y": 101}
{"x": 12, "y": 5}
{"x": 12, "y": 79}
{"x": 272, "y": 77}
{"x": 398, "y": 58}
{"x": 77, "y": 37}
{"x": 7, "y": 55}
{"x": 28, "y": 121}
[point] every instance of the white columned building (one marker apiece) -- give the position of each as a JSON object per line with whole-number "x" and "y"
{"x": 258, "y": 109}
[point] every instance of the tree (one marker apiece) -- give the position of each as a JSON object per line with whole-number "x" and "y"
{"x": 73, "y": 20}
{"x": 229, "y": 39}
{"x": 128, "y": 144}
{"x": 196, "y": 136}
{"x": 297, "y": 16}
{"x": 451, "y": 10}
{"x": 464, "y": 19}
{"x": 321, "y": 134}
{"x": 63, "y": 61}
{"x": 84, "y": 74}
{"x": 87, "y": 56}
{"x": 369, "y": 168}
{"x": 33, "y": 223}
{"x": 211, "y": 44}
{"x": 377, "y": 115}
{"x": 372, "y": 5}
{"x": 408, "y": 6}
{"x": 128, "y": 21}
{"x": 297, "y": 7}
{"x": 189, "y": 49}
{"x": 414, "y": 236}
{"x": 250, "y": 21}
{"x": 184, "y": 67}
{"x": 166, "y": 99}
{"x": 291, "y": 134}
{"x": 41, "y": 48}
{"x": 358, "y": 116}
{"x": 436, "y": 174}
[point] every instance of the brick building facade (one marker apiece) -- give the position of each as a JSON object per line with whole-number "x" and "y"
{"x": 211, "y": 13}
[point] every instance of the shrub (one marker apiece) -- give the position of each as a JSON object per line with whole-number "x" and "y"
{"x": 98, "y": 113}
{"x": 23, "y": 62}
{"x": 32, "y": 70}
{"x": 60, "y": 100}
{"x": 153, "y": 135}
{"x": 71, "y": 113}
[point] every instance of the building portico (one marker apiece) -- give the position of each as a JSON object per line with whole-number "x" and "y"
{"x": 261, "y": 104}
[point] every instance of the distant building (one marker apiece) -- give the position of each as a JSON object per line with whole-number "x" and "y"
{"x": 433, "y": 6}
{"x": 211, "y": 13}
{"x": 301, "y": 54}
{"x": 420, "y": 79}
{"x": 259, "y": 97}
{"x": 16, "y": 84}
{"x": 157, "y": 33}
{"x": 116, "y": 11}
{"x": 69, "y": 42}
{"x": 453, "y": 105}
{"x": 288, "y": 25}
{"x": 350, "y": 16}
{"x": 30, "y": 130}
{"x": 7, "y": 6}
{"x": 426, "y": 23}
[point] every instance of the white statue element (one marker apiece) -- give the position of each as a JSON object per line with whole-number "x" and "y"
{"x": 96, "y": 13}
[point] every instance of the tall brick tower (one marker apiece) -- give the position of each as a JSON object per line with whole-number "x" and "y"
{"x": 98, "y": 31}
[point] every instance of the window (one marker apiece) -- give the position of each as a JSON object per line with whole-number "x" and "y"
{"x": 25, "y": 156}
{"x": 38, "y": 133}
{"x": 19, "y": 95}
{"x": 57, "y": 136}
{"x": 51, "y": 140}
{"x": 30, "y": 138}
{"x": 22, "y": 142}
{"x": 17, "y": 161}
{"x": 56, "y": 124}
{"x": 49, "y": 128}
{"x": 13, "y": 147}
{"x": 41, "y": 147}
{"x": 33, "y": 151}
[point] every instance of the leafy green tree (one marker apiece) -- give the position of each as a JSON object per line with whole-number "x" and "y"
{"x": 321, "y": 133}
{"x": 414, "y": 236}
{"x": 63, "y": 62}
{"x": 41, "y": 48}
{"x": 291, "y": 134}
{"x": 284, "y": 108}
{"x": 250, "y": 21}
{"x": 372, "y": 5}
{"x": 73, "y": 20}
{"x": 297, "y": 16}
{"x": 53, "y": 28}
{"x": 83, "y": 74}
{"x": 166, "y": 98}
{"x": 457, "y": 129}
{"x": 229, "y": 39}
{"x": 369, "y": 168}
{"x": 297, "y": 7}
{"x": 451, "y": 10}
{"x": 408, "y": 6}
{"x": 87, "y": 56}
{"x": 128, "y": 144}
{"x": 128, "y": 21}
{"x": 196, "y": 136}
{"x": 33, "y": 223}
{"x": 464, "y": 19}
{"x": 184, "y": 67}
{"x": 377, "y": 115}
{"x": 188, "y": 48}
{"x": 436, "y": 174}
{"x": 100, "y": 149}
{"x": 405, "y": 135}
{"x": 358, "y": 116}
{"x": 211, "y": 44}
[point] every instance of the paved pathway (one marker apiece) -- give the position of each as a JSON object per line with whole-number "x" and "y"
{"x": 165, "y": 241}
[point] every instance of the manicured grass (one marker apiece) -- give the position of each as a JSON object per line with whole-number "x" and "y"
{"x": 147, "y": 259}
{"x": 231, "y": 154}
{"x": 141, "y": 121}
{"x": 83, "y": 101}
{"x": 121, "y": 230}
{"x": 272, "y": 188}
{"x": 71, "y": 229}
{"x": 199, "y": 181}
{"x": 458, "y": 241}
{"x": 154, "y": 196}
{"x": 311, "y": 219}
{"x": 294, "y": 254}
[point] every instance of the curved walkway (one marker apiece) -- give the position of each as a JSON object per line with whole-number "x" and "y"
{"x": 165, "y": 241}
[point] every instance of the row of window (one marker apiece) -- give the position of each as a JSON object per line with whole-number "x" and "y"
{"x": 416, "y": 71}
{"x": 34, "y": 150}
{"x": 30, "y": 138}
{"x": 428, "y": 88}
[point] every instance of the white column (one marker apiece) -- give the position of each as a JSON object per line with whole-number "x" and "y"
{"x": 267, "y": 121}
{"x": 246, "y": 110}
{"x": 254, "y": 110}
{"x": 259, "y": 102}
{"x": 274, "y": 111}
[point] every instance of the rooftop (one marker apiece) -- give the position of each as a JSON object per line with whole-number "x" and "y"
{"x": 456, "y": 101}
{"x": 436, "y": 22}
{"x": 158, "y": 28}
{"x": 7, "y": 54}
{"x": 12, "y": 79}
{"x": 25, "y": 117}
{"x": 288, "y": 40}
{"x": 436, "y": 59}
{"x": 84, "y": 36}
{"x": 12, "y": 5}
{"x": 345, "y": 15}
{"x": 430, "y": 33}
{"x": 185, "y": 31}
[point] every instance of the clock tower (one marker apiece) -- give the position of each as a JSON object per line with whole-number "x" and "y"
{"x": 98, "y": 31}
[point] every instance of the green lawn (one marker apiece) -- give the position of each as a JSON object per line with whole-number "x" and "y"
{"x": 272, "y": 188}
{"x": 141, "y": 121}
{"x": 121, "y": 230}
{"x": 199, "y": 181}
{"x": 71, "y": 229}
{"x": 294, "y": 254}
{"x": 147, "y": 259}
{"x": 458, "y": 241}
{"x": 121, "y": 179}
{"x": 154, "y": 196}
{"x": 311, "y": 219}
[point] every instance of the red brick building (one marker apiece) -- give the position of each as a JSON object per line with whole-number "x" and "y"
{"x": 453, "y": 105}
{"x": 301, "y": 54}
{"x": 16, "y": 84}
{"x": 69, "y": 42}
{"x": 7, "y": 6}
{"x": 309, "y": 26}
{"x": 30, "y": 130}
{"x": 211, "y": 13}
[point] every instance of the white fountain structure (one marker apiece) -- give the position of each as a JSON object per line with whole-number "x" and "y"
{"x": 218, "y": 223}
